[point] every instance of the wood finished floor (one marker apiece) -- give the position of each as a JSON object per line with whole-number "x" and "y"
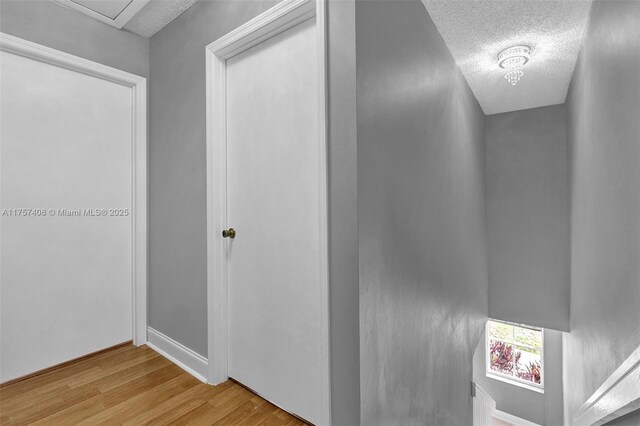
{"x": 132, "y": 386}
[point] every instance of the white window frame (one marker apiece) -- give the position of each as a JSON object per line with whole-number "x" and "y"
{"x": 513, "y": 380}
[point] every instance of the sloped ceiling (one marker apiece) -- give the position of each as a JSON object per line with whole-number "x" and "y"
{"x": 477, "y": 30}
{"x": 109, "y": 8}
{"x": 156, "y": 14}
{"x": 143, "y": 17}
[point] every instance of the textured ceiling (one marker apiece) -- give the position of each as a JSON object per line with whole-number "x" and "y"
{"x": 477, "y": 30}
{"x": 156, "y": 14}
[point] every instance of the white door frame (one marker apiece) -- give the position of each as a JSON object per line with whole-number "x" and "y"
{"x": 138, "y": 85}
{"x": 279, "y": 18}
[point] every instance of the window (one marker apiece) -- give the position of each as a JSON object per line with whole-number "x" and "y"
{"x": 515, "y": 354}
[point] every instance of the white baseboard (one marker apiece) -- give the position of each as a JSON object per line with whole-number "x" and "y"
{"x": 617, "y": 396}
{"x": 191, "y": 362}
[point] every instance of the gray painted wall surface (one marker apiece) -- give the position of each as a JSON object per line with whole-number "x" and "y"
{"x": 344, "y": 289}
{"x": 630, "y": 419}
{"x": 604, "y": 134}
{"x": 49, "y": 24}
{"x": 423, "y": 267}
{"x": 177, "y": 195}
{"x": 554, "y": 392}
{"x": 543, "y": 409}
{"x": 177, "y": 167}
{"x": 527, "y": 192}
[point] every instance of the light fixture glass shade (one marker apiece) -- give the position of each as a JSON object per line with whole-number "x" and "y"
{"x": 512, "y": 60}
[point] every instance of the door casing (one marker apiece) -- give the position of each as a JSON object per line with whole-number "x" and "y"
{"x": 279, "y": 18}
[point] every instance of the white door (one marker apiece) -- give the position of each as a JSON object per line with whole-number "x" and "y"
{"x": 277, "y": 327}
{"x": 66, "y": 268}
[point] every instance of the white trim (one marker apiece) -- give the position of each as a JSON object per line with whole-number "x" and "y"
{"x": 119, "y": 21}
{"x": 509, "y": 380}
{"x": 138, "y": 86}
{"x": 481, "y": 395}
{"x": 617, "y": 396}
{"x": 190, "y": 361}
{"x": 514, "y": 420}
{"x": 279, "y": 18}
{"x": 483, "y": 406}
{"x": 323, "y": 184}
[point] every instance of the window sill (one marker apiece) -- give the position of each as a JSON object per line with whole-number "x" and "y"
{"x": 514, "y": 383}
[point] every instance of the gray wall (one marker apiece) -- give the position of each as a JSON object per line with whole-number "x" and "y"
{"x": 630, "y": 419}
{"x": 423, "y": 266}
{"x": 554, "y": 391}
{"x": 527, "y": 192}
{"x": 177, "y": 195}
{"x": 343, "y": 215}
{"x": 49, "y": 24}
{"x": 543, "y": 409}
{"x": 177, "y": 167}
{"x": 604, "y": 135}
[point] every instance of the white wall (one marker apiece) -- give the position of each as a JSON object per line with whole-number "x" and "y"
{"x": 66, "y": 145}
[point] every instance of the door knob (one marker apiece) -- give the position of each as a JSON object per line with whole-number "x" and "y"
{"x": 229, "y": 233}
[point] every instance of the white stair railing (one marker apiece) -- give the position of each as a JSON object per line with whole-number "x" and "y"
{"x": 483, "y": 406}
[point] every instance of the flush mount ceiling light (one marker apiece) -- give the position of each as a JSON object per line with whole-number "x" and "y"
{"x": 512, "y": 60}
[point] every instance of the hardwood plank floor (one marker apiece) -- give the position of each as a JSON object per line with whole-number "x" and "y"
{"x": 131, "y": 386}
